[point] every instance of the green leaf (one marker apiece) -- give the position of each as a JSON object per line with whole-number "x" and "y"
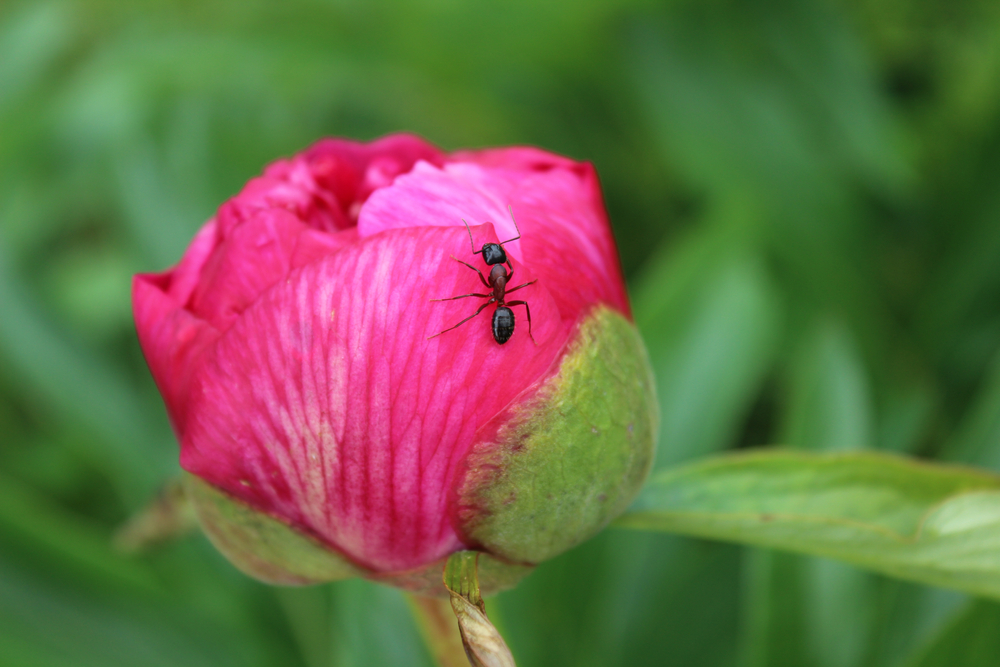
{"x": 44, "y": 622}
{"x": 33, "y": 522}
{"x": 711, "y": 320}
{"x": 31, "y": 39}
{"x": 801, "y": 610}
{"x": 970, "y": 641}
{"x": 829, "y": 404}
{"x": 932, "y": 524}
{"x": 774, "y": 626}
{"x": 977, "y": 438}
{"x": 371, "y": 625}
{"x": 52, "y": 365}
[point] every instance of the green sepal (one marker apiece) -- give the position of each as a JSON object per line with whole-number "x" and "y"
{"x": 262, "y": 546}
{"x": 268, "y": 549}
{"x": 571, "y": 457}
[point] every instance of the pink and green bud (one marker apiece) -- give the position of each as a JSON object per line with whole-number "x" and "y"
{"x": 329, "y": 433}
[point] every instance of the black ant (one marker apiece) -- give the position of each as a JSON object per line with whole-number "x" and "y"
{"x": 503, "y": 317}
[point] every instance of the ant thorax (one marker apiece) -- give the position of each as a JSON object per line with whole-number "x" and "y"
{"x": 498, "y": 275}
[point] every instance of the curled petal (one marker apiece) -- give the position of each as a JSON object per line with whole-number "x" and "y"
{"x": 181, "y": 281}
{"x": 325, "y": 186}
{"x": 172, "y": 339}
{"x": 352, "y": 170}
{"x": 521, "y": 158}
{"x": 564, "y": 235}
{"x": 255, "y": 255}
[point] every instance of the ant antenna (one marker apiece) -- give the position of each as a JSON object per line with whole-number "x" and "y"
{"x": 511, "y": 210}
{"x": 471, "y": 244}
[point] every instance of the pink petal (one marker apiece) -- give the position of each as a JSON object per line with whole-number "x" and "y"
{"x": 523, "y": 158}
{"x": 181, "y": 281}
{"x": 352, "y": 170}
{"x": 288, "y": 185}
{"x": 326, "y": 185}
{"x": 172, "y": 341}
{"x": 254, "y": 255}
{"x": 326, "y": 404}
{"x": 565, "y": 236}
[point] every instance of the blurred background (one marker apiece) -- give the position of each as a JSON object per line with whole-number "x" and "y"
{"x": 806, "y": 196}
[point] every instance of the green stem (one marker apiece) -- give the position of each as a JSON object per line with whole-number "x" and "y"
{"x": 439, "y": 628}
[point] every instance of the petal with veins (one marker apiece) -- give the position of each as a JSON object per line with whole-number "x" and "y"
{"x": 326, "y": 404}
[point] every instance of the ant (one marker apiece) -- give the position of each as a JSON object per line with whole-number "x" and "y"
{"x": 503, "y": 317}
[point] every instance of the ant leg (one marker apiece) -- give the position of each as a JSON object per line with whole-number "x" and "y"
{"x": 461, "y": 296}
{"x": 528, "y": 310}
{"x": 514, "y": 289}
{"x": 515, "y": 225}
{"x": 481, "y": 277}
{"x": 470, "y": 317}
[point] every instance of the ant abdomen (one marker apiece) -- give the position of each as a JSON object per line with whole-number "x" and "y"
{"x": 503, "y": 324}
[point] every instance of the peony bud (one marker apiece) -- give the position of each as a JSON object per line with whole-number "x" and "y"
{"x": 328, "y": 431}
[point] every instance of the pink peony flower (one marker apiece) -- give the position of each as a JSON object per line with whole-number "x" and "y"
{"x": 292, "y": 346}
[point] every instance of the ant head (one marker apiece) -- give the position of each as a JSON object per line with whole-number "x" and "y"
{"x": 493, "y": 253}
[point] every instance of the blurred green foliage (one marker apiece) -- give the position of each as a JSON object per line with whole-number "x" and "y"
{"x": 806, "y": 195}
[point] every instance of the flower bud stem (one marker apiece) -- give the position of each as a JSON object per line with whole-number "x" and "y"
{"x": 476, "y": 641}
{"x": 436, "y": 621}
{"x": 483, "y": 644}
